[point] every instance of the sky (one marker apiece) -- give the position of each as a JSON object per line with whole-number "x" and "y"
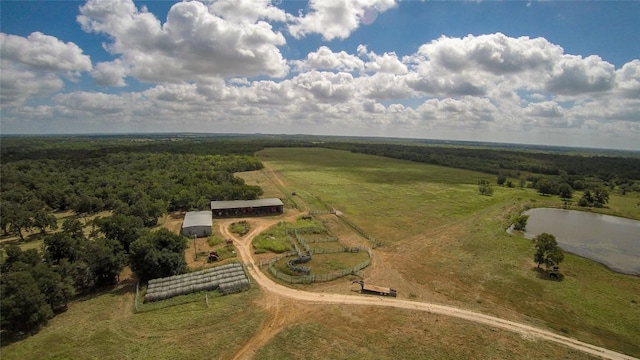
{"x": 530, "y": 72}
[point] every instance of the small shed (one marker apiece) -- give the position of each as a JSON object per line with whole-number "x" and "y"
{"x": 197, "y": 223}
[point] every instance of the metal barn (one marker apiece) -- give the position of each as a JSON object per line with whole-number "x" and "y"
{"x": 197, "y": 223}
{"x": 272, "y": 206}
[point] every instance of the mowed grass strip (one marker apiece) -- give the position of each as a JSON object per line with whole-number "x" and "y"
{"x": 446, "y": 239}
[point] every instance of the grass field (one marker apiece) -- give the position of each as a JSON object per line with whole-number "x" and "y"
{"x": 447, "y": 243}
{"x": 104, "y": 326}
{"x": 444, "y": 243}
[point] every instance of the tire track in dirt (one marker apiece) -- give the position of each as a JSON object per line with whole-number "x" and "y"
{"x": 276, "y": 290}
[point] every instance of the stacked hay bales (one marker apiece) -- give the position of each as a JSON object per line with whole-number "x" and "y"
{"x": 226, "y": 279}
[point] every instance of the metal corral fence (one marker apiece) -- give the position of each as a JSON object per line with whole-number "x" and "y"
{"x": 311, "y": 278}
{"x": 319, "y": 240}
{"x": 226, "y": 279}
{"x": 305, "y": 244}
{"x": 295, "y": 245}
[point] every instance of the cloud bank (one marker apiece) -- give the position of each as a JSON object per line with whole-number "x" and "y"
{"x": 220, "y": 67}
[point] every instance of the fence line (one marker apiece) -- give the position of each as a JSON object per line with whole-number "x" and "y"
{"x": 334, "y": 250}
{"x": 321, "y": 212}
{"x": 311, "y": 230}
{"x": 295, "y": 245}
{"x": 321, "y": 240}
{"x": 135, "y": 301}
{"x": 359, "y": 230}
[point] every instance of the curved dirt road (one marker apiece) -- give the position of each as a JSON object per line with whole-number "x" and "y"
{"x": 244, "y": 250}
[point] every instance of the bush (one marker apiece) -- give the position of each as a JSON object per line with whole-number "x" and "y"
{"x": 520, "y": 222}
{"x": 214, "y": 240}
{"x": 484, "y": 188}
{"x": 241, "y": 228}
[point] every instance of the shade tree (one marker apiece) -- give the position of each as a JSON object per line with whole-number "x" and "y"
{"x": 158, "y": 254}
{"x": 23, "y": 307}
{"x": 547, "y": 251}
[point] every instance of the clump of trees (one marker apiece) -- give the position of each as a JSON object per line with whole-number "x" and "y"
{"x": 484, "y": 187}
{"x": 158, "y": 254}
{"x": 547, "y": 251}
{"x": 596, "y": 197}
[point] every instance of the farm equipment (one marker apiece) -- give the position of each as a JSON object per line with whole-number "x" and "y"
{"x": 375, "y": 290}
{"x": 213, "y": 256}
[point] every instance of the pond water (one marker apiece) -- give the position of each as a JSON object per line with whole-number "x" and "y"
{"x": 610, "y": 240}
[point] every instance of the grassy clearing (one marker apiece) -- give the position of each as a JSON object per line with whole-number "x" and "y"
{"x": 448, "y": 241}
{"x": 274, "y": 240}
{"x": 104, "y": 326}
{"x": 214, "y": 240}
{"x": 34, "y": 239}
{"x": 259, "y": 178}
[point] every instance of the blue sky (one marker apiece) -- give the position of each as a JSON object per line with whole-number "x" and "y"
{"x": 539, "y": 72}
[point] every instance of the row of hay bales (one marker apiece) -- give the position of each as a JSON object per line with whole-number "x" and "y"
{"x": 226, "y": 278}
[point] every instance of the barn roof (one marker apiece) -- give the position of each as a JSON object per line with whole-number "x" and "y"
{"x": 239, "y": 204}
{"x": 197, "y": 218}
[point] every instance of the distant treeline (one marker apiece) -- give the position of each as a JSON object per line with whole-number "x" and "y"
{"x": 502, "y": 161}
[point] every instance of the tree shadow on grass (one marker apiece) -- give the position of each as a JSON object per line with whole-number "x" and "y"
{"x": 548, "y": 275}
{"x": 15, "y": 239}
{"x": 121, "y": 288}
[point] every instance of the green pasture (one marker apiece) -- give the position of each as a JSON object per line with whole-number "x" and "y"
{"x": 452, "y": 241}
{"x": 104, "y": 326}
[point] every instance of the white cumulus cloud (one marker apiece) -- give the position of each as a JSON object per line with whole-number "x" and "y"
{"x": 325, "y": 59}
{"x": 43, "y": 52}
{"x": 576, "y": 75}
{"x": 194, "y": 43}
{"x": 337, "y": 19}
{"x": 35, "y": 65}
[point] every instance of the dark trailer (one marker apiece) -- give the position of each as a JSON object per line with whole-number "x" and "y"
{"x": 234, "y": 208}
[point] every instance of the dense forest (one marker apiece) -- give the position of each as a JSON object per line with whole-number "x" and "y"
{"x": 135, "y": 179}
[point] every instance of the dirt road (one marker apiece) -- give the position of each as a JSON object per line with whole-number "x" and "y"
{"x": 244, "y": 249}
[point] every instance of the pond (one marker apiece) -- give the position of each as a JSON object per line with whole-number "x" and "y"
{"x": 610, "y": 240}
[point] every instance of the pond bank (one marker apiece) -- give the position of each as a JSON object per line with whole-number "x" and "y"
{"x": 610, "y": 240}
